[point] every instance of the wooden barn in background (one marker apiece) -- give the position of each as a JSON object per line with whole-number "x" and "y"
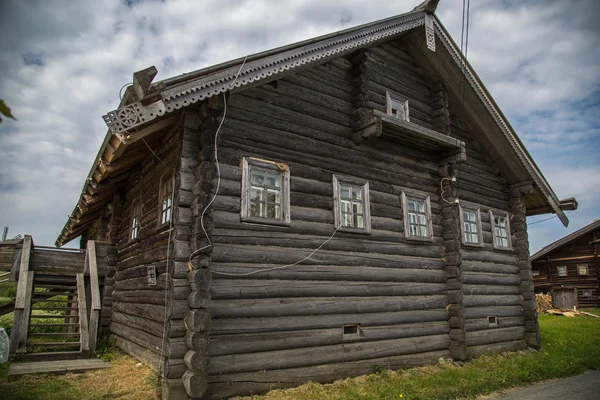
{"x": 568, "y": 269}
{"x": 368, "y": 212}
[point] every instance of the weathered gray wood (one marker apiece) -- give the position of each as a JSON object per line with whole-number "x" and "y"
{"x": 83, "y": 320}
{"x": 58, "y": 366}
{"x": 227, "y": 385}
{"x": 292, "y": 358}
{"x": 500, "y": 311}
{"x": 495, "y": 335}
{"x": 483, "y": 324}
{"x": 174, "y": 347}
{"x": 23, "y": 269}
{"x": 96, "y": 305}
{"x": 322, "y": 305}
{"x": 195, "y": 383}
{"x": 476, "y": 351}
{"x": 492, "y": 300}
{"x": 289, "y": 323}
{"x": 23, "y": 331}
{"x": 268, "y": 341}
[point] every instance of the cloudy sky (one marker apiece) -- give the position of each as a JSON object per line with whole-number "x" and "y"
{"x": 62, "y": 64}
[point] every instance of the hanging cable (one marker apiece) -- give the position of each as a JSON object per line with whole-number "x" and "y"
{"x": 121, "y": 90}
{"x": 543, "y": 220}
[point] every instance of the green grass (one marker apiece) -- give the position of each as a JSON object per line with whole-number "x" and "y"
{"x": 570, "y": 347}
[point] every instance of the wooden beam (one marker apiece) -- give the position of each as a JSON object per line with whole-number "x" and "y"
{"x": 156, "y": 126}
{"x": 94, "y": 291}
{"x": 83, "y": 321}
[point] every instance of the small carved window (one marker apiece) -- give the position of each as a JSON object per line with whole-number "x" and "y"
{"x": 561, "y": 270}
{"x": 582, "y": 269}
{"x": 535, "y": 272}
{"x": 135, "y": 219}
{"x": 265, "y": 192}
{"x": 351, "y": 204}
{"x": 351, "y": 330}
{"x": 492, "y": 320}
{"x": 500, "y": 230}
{"x": 417, "y": 216}
{"x": 397, "y": 106}
{"x": 470, "y": 219}
{"x": 166, "y": 198}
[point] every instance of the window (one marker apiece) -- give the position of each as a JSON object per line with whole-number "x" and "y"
{"x": 265, "y": 192}
{"x": 492, "y": 320}
{"x": 397, "y": 106}
{"x": 135, "y": 220}
{"x": 582, "y": 269}
{"x": 561, "y": 270}
{"x": 470, "y": 219}
{"x": 586, "y": 293}
{"x": 351, "y": 330}
{"x": 166, "y": 198}
{"x": 417, "y": 216}
{"x": 535, "y": 272}
{"x": 500, "y": 230}
{"x": 351, "y": 204}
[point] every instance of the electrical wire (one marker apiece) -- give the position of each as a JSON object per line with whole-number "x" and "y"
{"x": 121, "y": 90}
{"x": 543, "y": 220}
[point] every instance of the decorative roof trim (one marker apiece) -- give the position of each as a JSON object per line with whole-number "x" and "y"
{"x": 560, "y": 242}
{"x": 182, "y": 95}
{"x": 497, "y": 115}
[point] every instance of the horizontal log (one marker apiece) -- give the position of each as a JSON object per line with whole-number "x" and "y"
{"x": 255, "y": 288}
{"x": 280, "y": 255}
{"x": 499, "y": 311}
{"x": 483, "y": 324}
{"x": 151, "y": 296}
{"x": 492, "y": 300}
{"x": 303, "y": 357}
{"x": 229, "y": 385}
{"x": 256, "y": 342}
{"x": 494, "y": 348}
{"x": 490, "y": 289}
{"x": 495, "y": 335}
{"x": 400, "y": 274}
{"x": 277, "y": 324}
{"x": 478, "y": 266}
{"x": 155, "y": 312}
{"x": 173, "y": 347}
{"x": 481, "y": 278}
{"x": 470, "y": 254}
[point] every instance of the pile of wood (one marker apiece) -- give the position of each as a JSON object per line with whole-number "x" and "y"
{"x": 544, "y": 302}
{"x": 569, "y": 313}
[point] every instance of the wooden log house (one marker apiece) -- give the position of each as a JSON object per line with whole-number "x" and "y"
{"x": 313, "y": 211}
{"x": 568, "y": 269}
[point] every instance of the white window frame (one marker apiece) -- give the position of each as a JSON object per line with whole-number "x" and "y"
{"x": 134, "y": 220}
{"x": 400, "y": 102}
{"x": 337, "y": 182}
{"x": 477, "y": 211}
{"x": 587, "y": 269}
{"x": 167, "y": 177}
{"x": 410, "y": 194}
{"x": 505, "y": 215}
{"x": 247, "y": 164}
{"x": 559, "y": 268}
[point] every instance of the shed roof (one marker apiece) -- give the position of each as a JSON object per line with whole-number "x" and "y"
{"x": 565, "y": 240}
{"x": 149, "y": 108}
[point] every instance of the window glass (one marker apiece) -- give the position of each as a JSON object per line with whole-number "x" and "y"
{"x": 265, "y": 193}
{"x": 417, "y": 217}
{"x": 535, "y": 272}
{"x": 351, "y": 206}
{"x": 501, "y": 231}
{"x": 135, "y": 220}
{"x": 582, "y": 269}
{"x": 471, "y": 233}
{"x": 167, "y": 200}
{"x": 562, "y": 270}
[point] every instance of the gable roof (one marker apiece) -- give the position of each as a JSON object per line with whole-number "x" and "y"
{"x": 565, "y": 240}
{"x": 144, "y": 105}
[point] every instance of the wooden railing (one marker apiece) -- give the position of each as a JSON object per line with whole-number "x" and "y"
{"x": 4, "y": 276}
{"x": 91, "y": 267}
{"x": 18, "y": 337}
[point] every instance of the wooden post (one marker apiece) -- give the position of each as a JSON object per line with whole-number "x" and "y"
{"x": 24, "y": 330}
{"x": 95, "y": 294}
{"x": 84, "y": 333}
{"x": 23, "y": 301}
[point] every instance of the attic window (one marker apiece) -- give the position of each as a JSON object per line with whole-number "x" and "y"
{"x": 351, "y": 204}
{"x": 135, "y": 220}
{"x": 582, "y": 269}
{"x": 500, "y": 230}
{"x": 397, "y": 106}
{"x": 561, "y": 270}
{"x": 265, "y": 192}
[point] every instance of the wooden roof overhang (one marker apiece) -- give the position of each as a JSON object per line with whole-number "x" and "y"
{"x": 146, "y": 106}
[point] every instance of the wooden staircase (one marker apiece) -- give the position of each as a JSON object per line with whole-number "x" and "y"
{"x": 58, "y": 303}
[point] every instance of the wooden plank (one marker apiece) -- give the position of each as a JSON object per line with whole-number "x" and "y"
{"x": 83, "y": 321}
{"x": 24, "y": 330}
{"x": 94, "y": 292}
{"x": 23, "y": 269}
{"x": 59, "y": 366}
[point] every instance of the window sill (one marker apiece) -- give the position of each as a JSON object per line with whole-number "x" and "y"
{"x": 134, "y": 241}
{"x": 475, "y": 245}
{"x": 354, "y": 230}
{"x": 504, "y": 249}
{"x": 418, "y": 239}
{"x": 264, "y": 221}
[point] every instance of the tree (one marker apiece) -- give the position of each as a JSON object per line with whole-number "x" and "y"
{"x": 4, "y": 110}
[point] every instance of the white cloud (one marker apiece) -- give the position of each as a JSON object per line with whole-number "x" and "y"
{"x": 539, "y": 60}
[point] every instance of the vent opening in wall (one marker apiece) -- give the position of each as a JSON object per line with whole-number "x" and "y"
{"x": 351, "y": 330}
{"x": 493, "y": 320}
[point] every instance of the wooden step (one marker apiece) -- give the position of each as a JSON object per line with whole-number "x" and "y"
{"x": 52, "y": 356}
{"x": 48, "y": 301}
{"x": 54, "y": 344}
{"x": 52, "y": 294}
{"x": 56, "y": 325}
{"x": 54, "y": 334}
{"x": 55, "y": 308}
{"x": 51, "y": 316}
{"x": 54, "y": 286}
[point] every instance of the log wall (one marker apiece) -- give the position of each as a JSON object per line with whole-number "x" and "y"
{"x": 140, "y": 316}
